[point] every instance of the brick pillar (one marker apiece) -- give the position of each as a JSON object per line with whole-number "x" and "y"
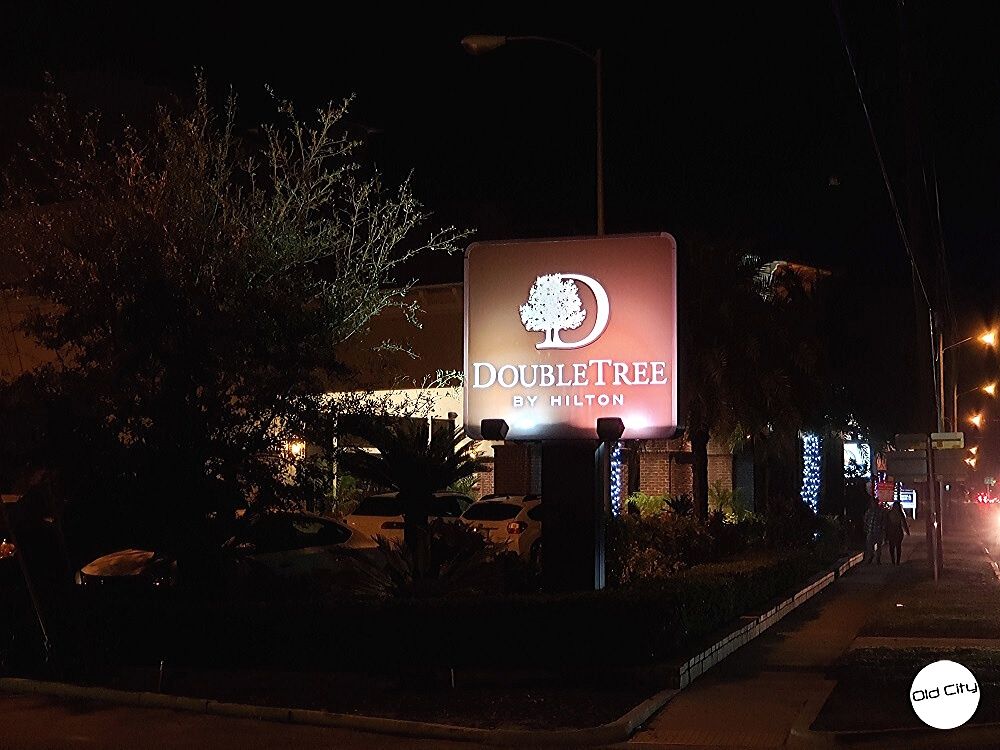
{"x": 512, "y": 469}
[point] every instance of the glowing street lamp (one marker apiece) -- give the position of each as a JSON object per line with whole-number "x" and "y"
{"x": 987, "y": 338}
{"x": 977, "y": 421}
{"x": 971, "y": 462}
{"x": 990, "y": 389}
{"x": 974, "y": 449}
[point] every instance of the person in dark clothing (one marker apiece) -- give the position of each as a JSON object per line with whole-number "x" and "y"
{"x": 874, "y": 531}
{"x": 895, "y": 525}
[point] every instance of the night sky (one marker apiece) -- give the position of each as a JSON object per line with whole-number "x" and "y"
{"x": 737, "y": 121}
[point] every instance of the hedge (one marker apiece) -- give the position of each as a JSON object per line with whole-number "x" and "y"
{"x": 639, "y": 625}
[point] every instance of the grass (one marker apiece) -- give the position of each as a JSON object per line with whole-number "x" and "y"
{"x": 884, "y": 665}
{"x": 964, "y": 603}
{"x": 872, "y": 691}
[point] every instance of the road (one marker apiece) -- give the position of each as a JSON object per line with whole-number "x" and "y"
{"x": 39, "y": 723}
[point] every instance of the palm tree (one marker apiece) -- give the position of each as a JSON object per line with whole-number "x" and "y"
{"x": 740, "y": 371}
{"x": 416, "y": 462}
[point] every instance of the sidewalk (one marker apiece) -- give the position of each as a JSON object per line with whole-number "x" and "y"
{"x": 767, "y": 694}
{"x": 919, "y": 622}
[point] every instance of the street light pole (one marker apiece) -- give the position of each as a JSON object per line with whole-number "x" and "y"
{"x": 480, "y": 44}
{"x": 599, "y": 75}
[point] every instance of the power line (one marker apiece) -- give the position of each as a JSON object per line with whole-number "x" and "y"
{"x": 878, "y": 155}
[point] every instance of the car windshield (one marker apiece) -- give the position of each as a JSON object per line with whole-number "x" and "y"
{"x": 280, "y": 532}
{"x": 447, "y": 506}
{"x": 379, "y": 506}
{"x": 492, "y": 511}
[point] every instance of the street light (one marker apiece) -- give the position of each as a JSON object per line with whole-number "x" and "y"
{"x": 977, "y": 420}
{"x": 481, "y": 44}
{"x": 974, "y": 449}
{"x": 990, "y": 389}
{"x": 988, "y": 338}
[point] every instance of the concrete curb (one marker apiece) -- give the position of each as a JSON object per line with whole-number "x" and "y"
{"x": 613, "y": 732}
{"x": 753, "y": 625}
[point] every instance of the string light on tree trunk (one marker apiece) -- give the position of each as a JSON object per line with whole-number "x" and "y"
{"x": 812, "y": 460}
{"x": 616, "y": 478}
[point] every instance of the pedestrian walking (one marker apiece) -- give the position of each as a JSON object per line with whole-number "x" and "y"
{"x": 874, "y": 531}
{"x": 895, "y": 525}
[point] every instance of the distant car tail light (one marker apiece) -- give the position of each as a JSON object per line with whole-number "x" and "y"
{"x": 516, "y": 527}
{"x": 393, "y": 525}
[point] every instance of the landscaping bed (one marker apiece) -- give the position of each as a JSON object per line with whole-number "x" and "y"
{"x": 625, "y": 627}
{"x": 503, "y": 699}
{"x": 573, "y": 660}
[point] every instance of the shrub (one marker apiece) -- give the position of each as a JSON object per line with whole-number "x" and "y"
{"x": 681, "y": 505}
{"x": 462, "y": 562}
{"x": 830, "y": 537}
{"x": 727, "y": 500}
{"x": 662, "y": 618}
{"x": 728, "y": 538}
{"x": 642, "y": 548}
{"x": 789, "y": 523}
{"x": 647, "y": 505}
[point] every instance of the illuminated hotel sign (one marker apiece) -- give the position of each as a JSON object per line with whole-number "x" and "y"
{"x": 559, "y": 333}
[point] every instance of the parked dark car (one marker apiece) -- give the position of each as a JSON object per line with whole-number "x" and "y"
{"x": 265, "y": 546}
{"x": 130, "y": 568}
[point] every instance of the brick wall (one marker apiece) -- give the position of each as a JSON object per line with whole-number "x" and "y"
{"x": 512, "y": 468}
{"x": 662, "y": 467}
{"x": 485, "y": 484}
{"x": 720, "y": 465}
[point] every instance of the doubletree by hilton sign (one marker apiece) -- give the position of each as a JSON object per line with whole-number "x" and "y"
{"x": 559, "y": 333}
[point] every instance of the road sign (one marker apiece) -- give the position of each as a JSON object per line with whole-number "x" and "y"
{"x": 947, "y": 440}
{"x": 910, "y": 441}
{"x": 950, "y": 465}
{"x": 907, "y": 465}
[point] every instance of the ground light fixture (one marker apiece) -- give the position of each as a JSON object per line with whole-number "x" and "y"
{"x": 610, "y": 428}
{"x": 494, "y": 429}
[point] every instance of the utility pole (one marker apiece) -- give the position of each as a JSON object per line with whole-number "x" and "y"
{"x": 918, "y": 229}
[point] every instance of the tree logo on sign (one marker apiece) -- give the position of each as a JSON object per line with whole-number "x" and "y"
{"x": 554, "y": 305}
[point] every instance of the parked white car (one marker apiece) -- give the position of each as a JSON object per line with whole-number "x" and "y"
{"x": 382, "y": 515}
{"x": 511, "y": 520}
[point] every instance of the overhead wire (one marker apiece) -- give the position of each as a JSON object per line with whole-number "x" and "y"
{"x": 878, "y": 155}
